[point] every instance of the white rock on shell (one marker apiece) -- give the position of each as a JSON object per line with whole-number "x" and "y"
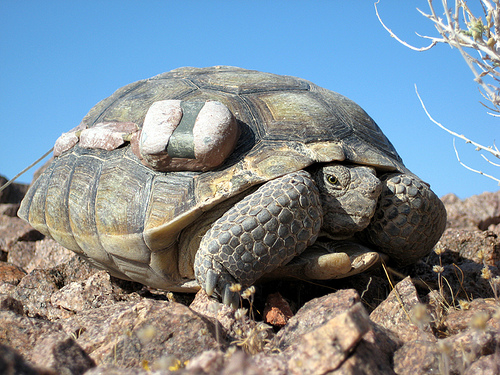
{"x": 215, "y": 134}
{"x": 160, "y": 122}
{"x": 65, "y": 142}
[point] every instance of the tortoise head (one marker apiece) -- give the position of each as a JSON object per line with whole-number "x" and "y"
{"x": 349, "y": 196}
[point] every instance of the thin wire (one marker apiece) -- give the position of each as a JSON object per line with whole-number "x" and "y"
{"x": 26, "y": 169}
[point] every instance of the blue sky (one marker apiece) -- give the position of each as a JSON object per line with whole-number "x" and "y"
{"x": 59, "y": 58}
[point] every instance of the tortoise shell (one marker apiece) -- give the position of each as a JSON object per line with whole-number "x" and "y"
{"x": 126, "y": 218}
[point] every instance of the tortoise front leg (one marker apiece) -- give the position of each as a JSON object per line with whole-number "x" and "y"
{"x": 263, "y": 231}
{"x": 408, "y": 221}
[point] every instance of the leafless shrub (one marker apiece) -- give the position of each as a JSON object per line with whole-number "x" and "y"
{"x": 471, "y": 36}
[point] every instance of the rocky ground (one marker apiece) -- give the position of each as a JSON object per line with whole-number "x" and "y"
{"x": 441, "y": 316}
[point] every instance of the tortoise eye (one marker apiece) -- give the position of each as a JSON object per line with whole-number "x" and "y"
{"x": 332, "y": 179}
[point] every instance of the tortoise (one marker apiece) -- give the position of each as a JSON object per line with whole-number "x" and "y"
{"x": 206, "y": 177}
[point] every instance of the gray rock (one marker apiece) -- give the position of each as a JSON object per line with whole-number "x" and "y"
{"x": 313, "y": 315}
{"x": 11, "y": 304}
{"x": 34, "y": 292}
{"x": 48, "y": 254}
{"x": 331, "y": 334}
{"x": 327, "y": 347}
{"x": 419, "y": 357}
{"x": 397, "y": 311}
{"x": 476, "y": 212}
{"x": 11, "y": 362}
{"x": 13, "y": 231}
{"x": 43, "y": 343}
{"x": 128, "y": 333}
{"x": 487, "y": 365}
{"x": 13, "y": 193}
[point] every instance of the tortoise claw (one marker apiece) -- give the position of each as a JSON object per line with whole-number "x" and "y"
{"x": 212, "y": 278}
{"x": 217, "y": 281}
{"x": 230, "y": 298}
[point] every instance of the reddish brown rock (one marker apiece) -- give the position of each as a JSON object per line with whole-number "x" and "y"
{"x": 6, "y": 288}
{"x": 9, "y": 209}
{"x": 10, "y": 273}
{"x": 12, "y": 230}
{"x": 116, "y": 370}
{"x": 128, "y": 329}
{"x": 60, "y": 352}
{"x": 366, "y": 360}
{"x": 468, "y": 346}
{"x": 454, "y": 354}
{"x": 94, "y": 292}
{"x": 214, "y": 310}
{"x": 21, "y": 253}
{"x": 277, "y": 311}
{"x": 209, "y": 362}
{"x": 70, "y": 287}
{"x": 463, "y": 257}
{"x": 34, "y": 292}
{"x": 241, "y": 363}
{"x": 75, "y": 269}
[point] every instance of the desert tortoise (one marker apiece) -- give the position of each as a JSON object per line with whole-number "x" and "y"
{"x": 211, "y": 176}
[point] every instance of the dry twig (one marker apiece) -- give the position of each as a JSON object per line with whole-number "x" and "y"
{"x": 462, "y": 30}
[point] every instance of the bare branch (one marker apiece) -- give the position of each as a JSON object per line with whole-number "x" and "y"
{"x": 461, "y": 136}
{"x": 470, "y": 33}
{"x": 472, "y": 169}
{"x": 494, "y": 151}
{"x": 489, "y": 161}
{"x": 462, "y": 30}
{"x": 399, "y": 40}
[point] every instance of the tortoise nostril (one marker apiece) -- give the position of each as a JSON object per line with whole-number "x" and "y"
{"x": 374, "y": 188}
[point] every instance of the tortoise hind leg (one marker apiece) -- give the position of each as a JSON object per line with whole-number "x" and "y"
{"x": 327, "y": 260}
{"x": 263, "y": 231}
{"x": 408, "y": 221}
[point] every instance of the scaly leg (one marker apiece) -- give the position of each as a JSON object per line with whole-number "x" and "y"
{"x": 263, "y": 231}
{"x": 408, "y": 221}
